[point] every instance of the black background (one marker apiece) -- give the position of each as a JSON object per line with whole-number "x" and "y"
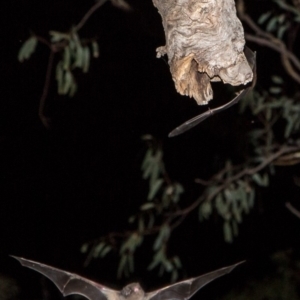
{"x": 82, "y": 179}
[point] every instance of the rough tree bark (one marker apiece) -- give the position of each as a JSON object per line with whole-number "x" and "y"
{"x": 204, "y": 43}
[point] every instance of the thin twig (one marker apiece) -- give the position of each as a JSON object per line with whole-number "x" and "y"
{"x": 292, "y": 209}
{"x": 267, "y": 39}
{"x": 88, "y": 14}
{"x": 42, "y": 116}
{"x": 263, "y": 42}
{"x": 246, "y": 171}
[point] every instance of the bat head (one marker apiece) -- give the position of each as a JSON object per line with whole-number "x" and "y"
{"x": 133, "y": 291}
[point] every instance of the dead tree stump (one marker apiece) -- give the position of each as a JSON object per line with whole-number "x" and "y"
{"x": 204, "y": 43}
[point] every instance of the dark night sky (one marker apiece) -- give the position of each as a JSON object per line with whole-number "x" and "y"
{"x": 82, "y": 179}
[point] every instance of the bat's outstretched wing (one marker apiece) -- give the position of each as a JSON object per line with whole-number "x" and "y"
{"x": 251, "y": 58}
{"x": 186, "y": 289}
{"x": 69, "y": 283}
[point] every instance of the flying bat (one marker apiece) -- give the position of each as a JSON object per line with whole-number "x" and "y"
{"x": 251, "y": 58}
{"x": 69, "y": 283}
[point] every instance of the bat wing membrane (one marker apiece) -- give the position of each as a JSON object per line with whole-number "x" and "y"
{"x": 69, "y": 283}
{"x": 186, "y": 289}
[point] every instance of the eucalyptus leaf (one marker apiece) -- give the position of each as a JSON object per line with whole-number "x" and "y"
{"x": 264, "y": 17}
{"x": 59, "y": 77}
{"x": 130, "y": 263}
{"x": 174, "y": 276}
{"x": 95, "y": 49}
{"x": 282, "y": 29}
{"x": 105, "y": 251}
{"x": 155, "y": 188}
{"x": 98, "y": 249}
{"x": 153, "y": 264}
{"x": 27, "y": 49}
{"x": 205, "y": 209}
{"x": 151, "y": 221}
{"x": 168, "y": 266}
{"x": 141, "y": 224}
{"x": 147, "y": 206}
{"x": 73, "y": 88}
{"x": 146, "y": 160}
{"x": 84, "y": 248}
{"x": 131, "y": 219}
{"x": 227, "y": 232}
{"x": 66, "y": 58}
{"x": 277, "y": 79}
{"x": 122, "y": 264}
{"x": 68, "y": 79}
{"x": 275, "y": 89}
{"x": 271, "y": 26}
{"x": 86, "y": 59}
{"x": 177, "y": 262}
{"x": 258, "y": 179}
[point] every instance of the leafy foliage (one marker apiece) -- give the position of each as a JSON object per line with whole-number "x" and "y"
{"x": 152, "y": 219}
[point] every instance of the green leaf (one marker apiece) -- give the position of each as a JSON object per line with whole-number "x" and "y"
{"x": 258, "y": 179}
{"x": 162, "y": 237}
{"x": 147, "y": 206}
{"x": 265, "y": 180}
{"x": 27, "y": 49}
{"x": 151, "y": 221}
{"x": 251, "y": 198}
{"x": 66, "y": 58}
{"x": 275, "y": 89}
{"x": 146, "y": 160}
{"x": 277, "y": 79}
{"x": 281, "y": 18}
{"x": 130, "y": 263}
{"x": 272, "y": 24}
{"x": 220, "y": 205}
{"x": 264, "y": 17}
{"x": 177, "y": 262}
{"x": 122, "y": 265}
{"x": 155, "y": 188}
{"x": 237, "y": 213}
{"x": 73, "y": 88}
{"x": 141, "y": 224}
{"x": 95, "y": 49}
{"x": 227, "y": 232}
{"x": 282, "y": 29}
{"x": 98, "y": 249}
{"x": 68, "y": 78}
{"x": 148, "y": 168}
{"x": 205, "y": 210}
{"x": 168, "y": 266}
{"x": 289, "y": 127}
{"x": 179, "y": 188}
{"x": 154, "y": 173}
{"x": 60, "y": 77}
{"x": 86, "y": 59}
{"x": 84, "y": 248}
{"x": 105, "y": 251}
{"x": 131, "y": 219}
{"x": 158, "y": 257}
{"x": 153, "y": 264}
{"x": 174, "y": 276}
{"x": 78, "y": 51}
